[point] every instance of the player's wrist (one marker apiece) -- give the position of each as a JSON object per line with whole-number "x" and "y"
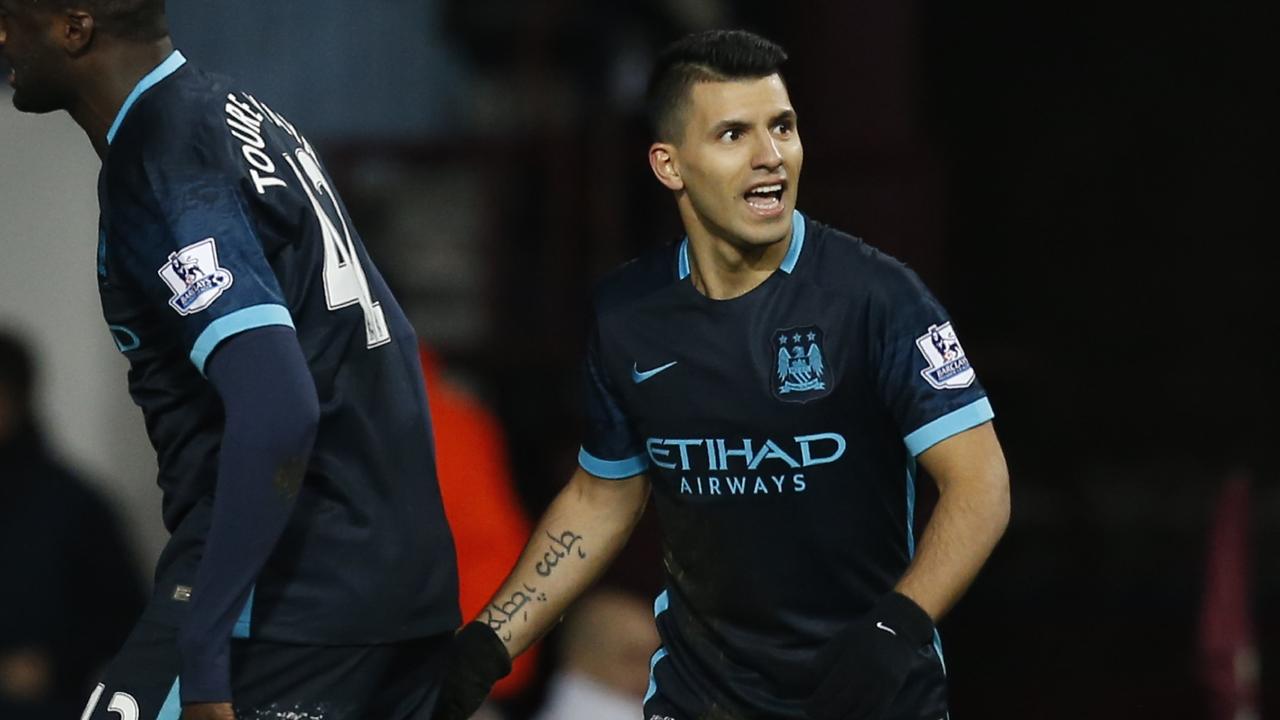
{"x": 477, "y": 659}
{"x": 197, "y": 687}
{"x": 903, "y": 617}
{"x": 483, "y": 650}
{"x": 205, "y": 671}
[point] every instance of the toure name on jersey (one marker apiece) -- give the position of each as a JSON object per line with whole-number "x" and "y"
{"x": 245, "y": 116}
{"x": 744, "y": 466}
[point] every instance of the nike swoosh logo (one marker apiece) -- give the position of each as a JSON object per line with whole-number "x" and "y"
{"x": 886, "y": 628}
{"x": 640, "y": 377}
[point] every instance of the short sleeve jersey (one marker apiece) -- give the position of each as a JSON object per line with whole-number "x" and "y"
{"x": 779, "y": 430}
{"x": 217, "y": 217}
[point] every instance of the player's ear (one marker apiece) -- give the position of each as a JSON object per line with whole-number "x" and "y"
{"x": 75, "y": 31}
{"x": 662, "y": 159}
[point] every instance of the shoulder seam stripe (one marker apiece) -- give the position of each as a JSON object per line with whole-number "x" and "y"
{"x": 148, "y": 81}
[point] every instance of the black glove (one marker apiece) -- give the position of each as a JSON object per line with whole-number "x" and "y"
{"x": 477, "y": 660}
{"x": 865, "y": 665}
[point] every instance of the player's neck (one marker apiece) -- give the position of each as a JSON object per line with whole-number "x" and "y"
{"x": 115, "y": 71}
{"x": 723, "y": 268}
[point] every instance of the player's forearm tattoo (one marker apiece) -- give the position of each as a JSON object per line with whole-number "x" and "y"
{"x": 499, "y": 615}
{"x": 566, "y": 542}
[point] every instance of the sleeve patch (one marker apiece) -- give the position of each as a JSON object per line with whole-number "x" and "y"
{"x": 949, "y": 367}
{"x": 194, "y": 276}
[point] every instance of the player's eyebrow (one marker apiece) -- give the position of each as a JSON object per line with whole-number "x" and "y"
{"x": 731, "y": 124}
{"x": 787, "y": 115}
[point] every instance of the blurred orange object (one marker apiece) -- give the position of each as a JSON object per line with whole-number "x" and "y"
{"x": 489, "y": 526}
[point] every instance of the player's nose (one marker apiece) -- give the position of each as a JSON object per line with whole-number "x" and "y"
{"x": 768, "y": 155}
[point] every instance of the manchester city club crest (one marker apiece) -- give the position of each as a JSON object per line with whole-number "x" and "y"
{"x": 949, "y": 367}
{"x": 800, "y": 370}
{"x": 194, "y": 276}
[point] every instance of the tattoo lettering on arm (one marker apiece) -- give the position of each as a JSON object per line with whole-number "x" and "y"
{"x": 500, "y": 614}
{"x": 566, "y": 542}
{"x": 498, "y": 617}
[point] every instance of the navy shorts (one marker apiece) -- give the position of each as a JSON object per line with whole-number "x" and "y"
{"x": 923, "y": 697}
{"x": 277, "y": 681}
{"x": 658, "y": 707}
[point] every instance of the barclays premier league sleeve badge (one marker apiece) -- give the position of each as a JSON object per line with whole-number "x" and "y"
{"x": 949, "y": 368}
{"x": 195, "y": 277}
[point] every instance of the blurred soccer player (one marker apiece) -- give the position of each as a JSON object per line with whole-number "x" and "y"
{"x": 776, "y": 382}
{"x": 279, "y": 381}
{"x": 57, "y": 535}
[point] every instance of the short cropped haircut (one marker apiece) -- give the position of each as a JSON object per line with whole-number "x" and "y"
{"x": 712, "y": 56}
{"x": 139, "y": 20}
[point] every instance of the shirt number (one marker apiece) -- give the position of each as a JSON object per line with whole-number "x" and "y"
{"x": 122, "y": 704}
{"x": 345, "y": 283}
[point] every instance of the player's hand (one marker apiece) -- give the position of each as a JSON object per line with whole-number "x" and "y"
{"x": 208, "y": 711}
{"x": 477, "y": 660}
{"x": 863, "y": 668}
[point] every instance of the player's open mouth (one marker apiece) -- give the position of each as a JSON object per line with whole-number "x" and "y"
{"x": 766, "y": 199}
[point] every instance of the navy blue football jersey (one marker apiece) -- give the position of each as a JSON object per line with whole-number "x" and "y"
{"x": 779, "y": 430}
{"x": 217, "y": 217}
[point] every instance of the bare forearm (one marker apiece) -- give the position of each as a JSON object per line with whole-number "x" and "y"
{"x": 960, "y": 536}
{"x": 577, "y": 537}
{"x": 969, "y": 519}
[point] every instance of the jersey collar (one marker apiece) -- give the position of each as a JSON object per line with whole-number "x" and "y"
{"x": 162, "y": 71}
{"x": 788, "y": 263}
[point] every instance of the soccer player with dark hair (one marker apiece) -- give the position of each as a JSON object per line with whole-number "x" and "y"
{"x": 776, "y": 383}
{"x": 279, "y": 382}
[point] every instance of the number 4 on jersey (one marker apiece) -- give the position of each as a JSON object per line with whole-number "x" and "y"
{"x": 345, "y": 283}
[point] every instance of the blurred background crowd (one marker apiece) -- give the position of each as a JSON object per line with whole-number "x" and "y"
{"x": 1085, "y": 186}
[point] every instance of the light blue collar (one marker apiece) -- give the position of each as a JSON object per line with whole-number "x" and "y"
{"x": 788, "y": 262}
{"x": 162, "y": 71}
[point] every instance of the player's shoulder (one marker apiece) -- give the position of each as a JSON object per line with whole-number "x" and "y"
{"x": 175, "y": 128}
{"x": 637, "y": 279}
{"x": 848, "y": 264}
